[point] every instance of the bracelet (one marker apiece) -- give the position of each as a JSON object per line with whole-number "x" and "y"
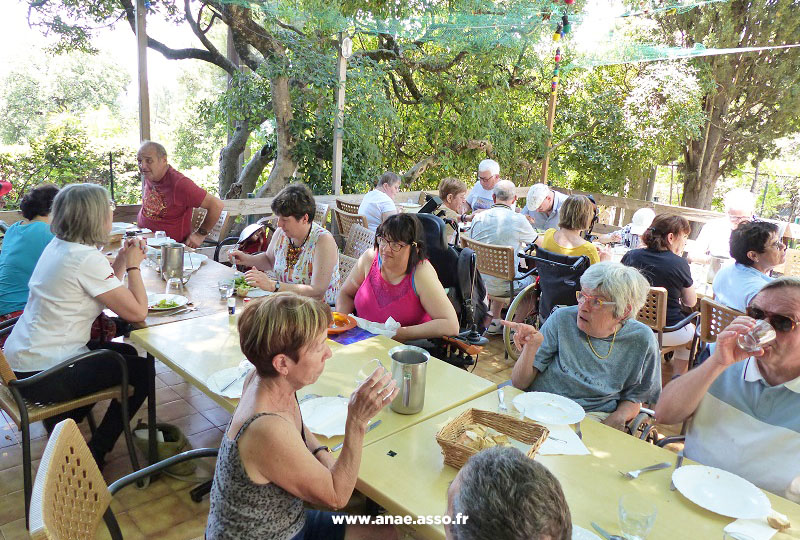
{"x": 323, "y": 447}
{"x": 133, "y": 268}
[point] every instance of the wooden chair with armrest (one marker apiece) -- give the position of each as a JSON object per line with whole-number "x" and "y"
{"x": 71, "y": 496}
{"x": 24, "y": 412}
{"x": 654, "y": 315}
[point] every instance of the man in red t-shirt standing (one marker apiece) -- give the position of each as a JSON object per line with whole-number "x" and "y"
{"x": 169, "y": 198}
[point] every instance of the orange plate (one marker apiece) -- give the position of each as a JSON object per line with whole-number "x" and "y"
{"x": 338, "y": 328}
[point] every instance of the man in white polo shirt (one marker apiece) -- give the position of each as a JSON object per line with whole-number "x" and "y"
{"x": 745, "y": 407}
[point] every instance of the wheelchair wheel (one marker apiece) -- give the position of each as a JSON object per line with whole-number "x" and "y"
{"x": 531, "y": 318}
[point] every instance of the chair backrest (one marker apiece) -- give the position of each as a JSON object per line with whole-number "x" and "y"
{"x": 6, "y": 373}
{"x": 344, "y": 220}
{"x": 321, "y": 215}
{"x": 714, "y": 317}
{"x": 654, "y": 311}
{"x": 792, "y": 265}
{"x": 70, "y": 495}
{"x": 346, "y": 265}
{"x": 359, "y": 240}
{"x": 497, "y": 261}
{"x": 227, "y": 219}
{"x": 349, "y": 207}
{"x": 559, "y": 279}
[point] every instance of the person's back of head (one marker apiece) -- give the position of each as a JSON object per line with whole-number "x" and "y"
{"x": 82, "y": 214}
{"x": 389, "y": 177}
{"x": 504, "y": 495}
{"x": 504, "y": 191}
{"x": 576, "y": 213}
{"x": 38, "y": 201}
{"x": 740, "y": 199}
{"x": 655, "y": 236}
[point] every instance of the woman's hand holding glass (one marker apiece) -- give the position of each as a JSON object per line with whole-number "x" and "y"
{"x": 372, "y": 395}
{"x": 257, "y": 278}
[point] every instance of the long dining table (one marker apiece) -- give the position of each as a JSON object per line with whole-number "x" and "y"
{"x": 405, "y": 473}
{"x": 196, "y": 348}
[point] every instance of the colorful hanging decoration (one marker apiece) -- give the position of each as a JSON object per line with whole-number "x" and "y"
{"x": 554, "y": 82}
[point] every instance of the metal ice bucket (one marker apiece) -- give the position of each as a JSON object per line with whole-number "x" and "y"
{"x": 409, "y": 365}
{"x": 172, "y": 262}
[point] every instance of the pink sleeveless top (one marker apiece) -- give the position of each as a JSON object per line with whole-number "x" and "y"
{"x": 377, "y": 299}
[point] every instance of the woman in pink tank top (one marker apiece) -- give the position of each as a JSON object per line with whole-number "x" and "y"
{"x": 394, "y": 279}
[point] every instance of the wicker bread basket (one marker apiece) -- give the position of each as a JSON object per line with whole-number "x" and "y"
{"x": 456, "y": 454}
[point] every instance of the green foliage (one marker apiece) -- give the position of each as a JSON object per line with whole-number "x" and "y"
{"x": 64, "y": 155}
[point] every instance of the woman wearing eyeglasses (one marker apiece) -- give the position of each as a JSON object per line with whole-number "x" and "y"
{"x": 302, "y": 254}
{"x": 756, "y": 249}
{"x": 595, "y": 353}
{"x": 395, "y": 279}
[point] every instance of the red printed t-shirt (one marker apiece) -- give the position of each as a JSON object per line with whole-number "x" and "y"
{"x": 167, "y": 205}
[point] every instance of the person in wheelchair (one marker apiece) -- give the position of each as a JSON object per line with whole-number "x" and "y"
{"x": 395, "y": 279}
{"x": 575, "y": 217}
{"x": 595, "y": 353}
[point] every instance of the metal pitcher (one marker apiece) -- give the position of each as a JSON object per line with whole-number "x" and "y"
{"x": 172, "y": 262}
{"x": 713, "y": 268}
{"x": 409, "y": 364}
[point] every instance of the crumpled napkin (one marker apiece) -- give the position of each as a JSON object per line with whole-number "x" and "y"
{"x": 388, "y": 329}
{"x": 222, "y": 378}
{"x": 572, "y": 445}
{"x": 755, "y": 529}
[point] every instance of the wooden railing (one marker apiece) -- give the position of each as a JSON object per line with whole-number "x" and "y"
{"x": 246, "y": 207}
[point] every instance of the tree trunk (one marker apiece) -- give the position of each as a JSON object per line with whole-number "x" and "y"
{"x": 284, "y": 168}
{"x": 703, "y": 156}
{"x": 229, "y": 159}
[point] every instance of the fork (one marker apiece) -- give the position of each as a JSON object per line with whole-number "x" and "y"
{"x": 678, "y": 463}
{"x": 635, "y": 474}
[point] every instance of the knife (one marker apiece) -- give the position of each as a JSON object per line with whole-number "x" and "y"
{"x": 678, "y": 463}
{"x": 369, "y": 428}
{"x": 604, "y": 533}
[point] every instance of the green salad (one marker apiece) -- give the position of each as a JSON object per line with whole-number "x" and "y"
{"x": 241, "y": 286}
{"x": 165, "y": 304}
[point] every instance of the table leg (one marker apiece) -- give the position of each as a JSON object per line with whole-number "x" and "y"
{"x": 151, "y": 409}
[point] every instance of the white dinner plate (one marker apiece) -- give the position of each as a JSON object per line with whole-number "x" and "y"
{"x": 721, "y": 492}
{"x": 549, "y": 408}
{"x": 153, "y": 299}
{"x": 258, "y": 293}
{"x": 325, "y": 416}
{"x": 579, "y": 533}
{"x": 224, "y": 377}
{"x": 120, "y": 226}
{"x": 192, "y": 261}
{"x": 158, "y": 242}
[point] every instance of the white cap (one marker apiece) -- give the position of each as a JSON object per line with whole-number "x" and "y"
{"x": 642, "y": 219}
{"x": 536, "y": 195}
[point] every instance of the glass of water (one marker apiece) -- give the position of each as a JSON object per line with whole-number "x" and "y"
{"x": 368, "y": 369}
{"x": 636, "y": 516}
{"x": 761, "y": 334}
{"x": 174, "y": 286}
{"x": 225, "y": 287}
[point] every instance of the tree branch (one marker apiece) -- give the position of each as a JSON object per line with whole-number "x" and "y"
{"x": 230, "y": 67}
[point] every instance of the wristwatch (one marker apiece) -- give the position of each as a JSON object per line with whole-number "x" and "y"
{"x": 203, "y": 231}
{"x": 277, "y": 286}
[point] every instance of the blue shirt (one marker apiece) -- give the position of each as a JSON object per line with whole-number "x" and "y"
{"x": 736, "y": 284}
{"x": 22, "y": 247}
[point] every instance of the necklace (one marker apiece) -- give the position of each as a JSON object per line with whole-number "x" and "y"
{"x": 293, "y": 253}
{"x": 611, "y": 348}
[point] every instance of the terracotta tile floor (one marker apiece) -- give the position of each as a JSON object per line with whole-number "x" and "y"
{"x": 164, "y": 510}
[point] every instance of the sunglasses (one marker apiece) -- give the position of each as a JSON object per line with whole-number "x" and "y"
{"x": 781, "y": 323}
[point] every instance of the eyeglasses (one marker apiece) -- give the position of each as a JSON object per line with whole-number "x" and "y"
{"x": 594, "y": 301}
{"x": 777, "y": 244}
{"x": 394, "y": 246}
{"x": 738, "y": 220}
{"x": 781, "y": 323}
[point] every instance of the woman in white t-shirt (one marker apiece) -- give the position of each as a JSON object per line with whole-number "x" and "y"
{"x": 378, "y": 204}
{"x": 71, "y": 285}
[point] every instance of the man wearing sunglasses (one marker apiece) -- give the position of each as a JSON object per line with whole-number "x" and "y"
{"x": 744, "y": 406}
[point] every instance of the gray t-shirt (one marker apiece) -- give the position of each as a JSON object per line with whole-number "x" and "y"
{"x": 568, "y": 367}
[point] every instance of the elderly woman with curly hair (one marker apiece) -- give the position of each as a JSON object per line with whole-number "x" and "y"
{"x": 595, "y": 353}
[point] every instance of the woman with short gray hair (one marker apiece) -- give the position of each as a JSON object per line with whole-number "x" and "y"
{"x": 70, "y": 286}
{"x": 595, "y": 353}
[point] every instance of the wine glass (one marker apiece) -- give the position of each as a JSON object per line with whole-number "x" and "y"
{"x": 636, "y": 516}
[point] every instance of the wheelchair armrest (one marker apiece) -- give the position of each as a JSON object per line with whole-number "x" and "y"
{"x": 682, "y": 323}
{"x": 160, "y": 466}
{"x": 671, "y": 439}
{"x": 100, "y": 353}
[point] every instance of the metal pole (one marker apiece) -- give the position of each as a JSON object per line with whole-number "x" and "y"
{"x": 764, "y": 199}
{"x": 671, "y": 179}
{"x": 345, "y": 49}
{"x": 144, "y": 93}
{"x": 111, "y": 173}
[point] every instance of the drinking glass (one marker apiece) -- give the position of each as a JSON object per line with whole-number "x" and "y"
{"x": 174, "y": 286}
{"x": 160, "y": 234}
{"x": 153, "y": 257}
{"x": 636, "y": 516}
{"x": 368, "y": 369}
{"x": 225, "y": 287}
{"x": 761, "y": 334}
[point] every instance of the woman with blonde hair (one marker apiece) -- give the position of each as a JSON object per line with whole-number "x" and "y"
{"x": 70, "y": 286}
{"x": 575, "y": 216}
{"x": 269, "y": 463}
